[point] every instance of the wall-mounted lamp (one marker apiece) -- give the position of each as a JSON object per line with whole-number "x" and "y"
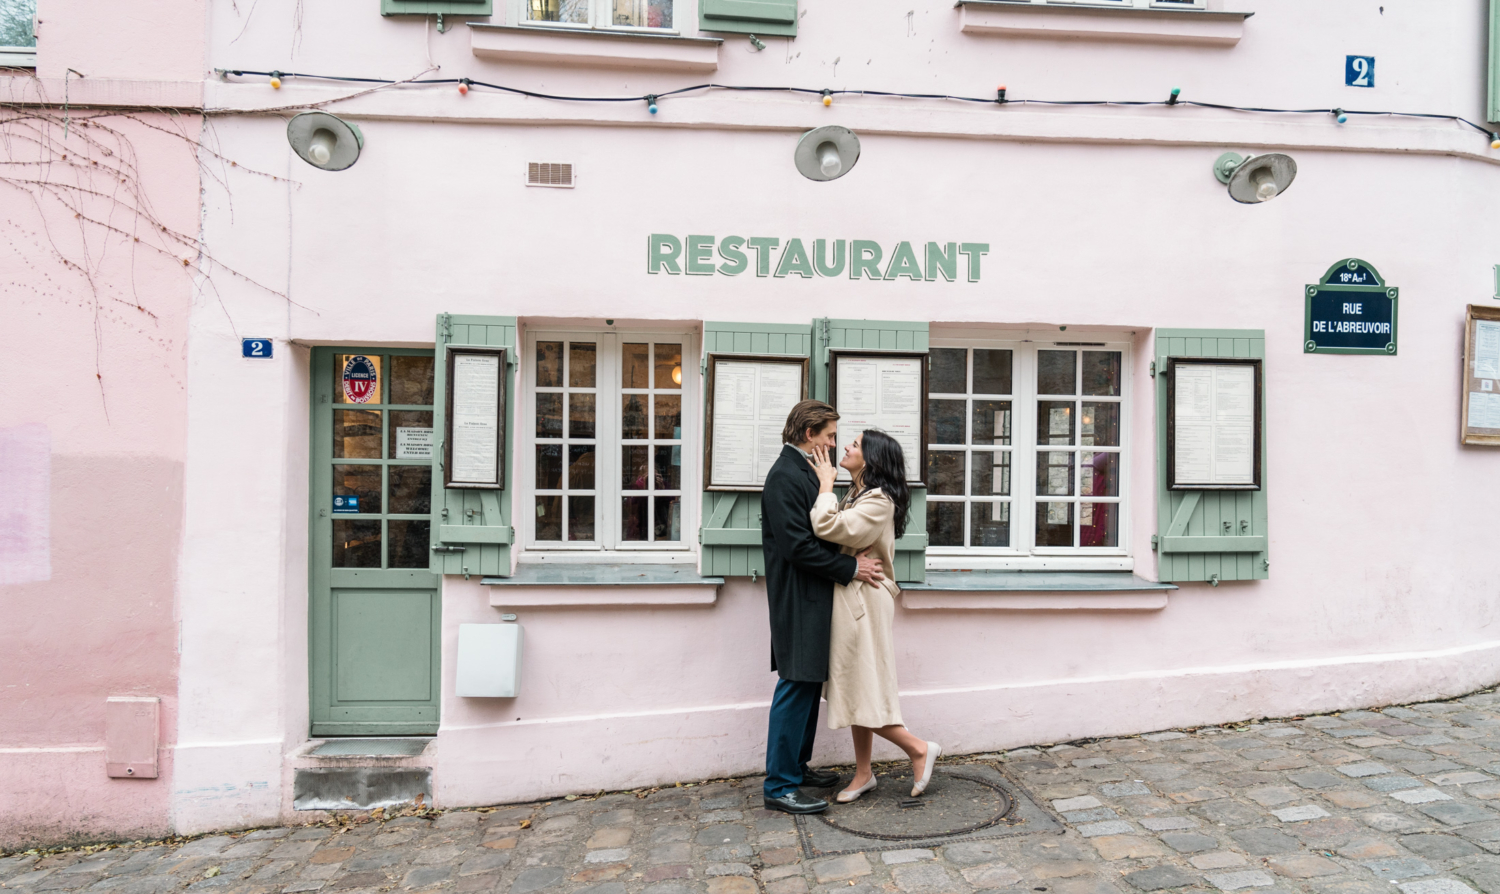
{"x": 1257, "y": 179}
{"x": 826, "y": 153}
{"x": 324, "y": 141}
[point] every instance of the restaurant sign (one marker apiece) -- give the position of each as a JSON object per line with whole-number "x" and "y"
{"x": 855, "y": 258}
{"x": 1350, "y": 311}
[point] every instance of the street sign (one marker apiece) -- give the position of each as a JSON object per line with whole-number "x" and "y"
{"x": 1350, "y": 311}
{"x": 255, "y": 347}
{"x": 1359, "y": 71}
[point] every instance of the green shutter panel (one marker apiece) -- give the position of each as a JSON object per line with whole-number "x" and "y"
{"x": 1494, "y": 67}
{"x": 472, "y": 528}
{"x": 1205, "y": 535}
{"x": 437, "y": 7}
{"x": 874, "y": 335}
{"x": 730, "y": 532}
{"x": 777, "y": 17}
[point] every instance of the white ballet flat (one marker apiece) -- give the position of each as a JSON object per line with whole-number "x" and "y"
{"x": 934, "y": 750}
{"x": 849, "y": 797}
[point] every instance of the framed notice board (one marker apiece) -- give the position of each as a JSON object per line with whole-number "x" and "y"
{"x": 749, "y": 398}
{"x": 1479, "y": 421}
{"x": 885, "y": 390}
{"x": 1213, "y": 423}
{"x": 474, "y": 427}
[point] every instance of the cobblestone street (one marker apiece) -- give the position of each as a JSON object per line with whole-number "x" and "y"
{"x": 1364, "y": 802}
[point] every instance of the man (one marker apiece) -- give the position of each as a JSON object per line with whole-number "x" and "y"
{"x": 800, "y": 574}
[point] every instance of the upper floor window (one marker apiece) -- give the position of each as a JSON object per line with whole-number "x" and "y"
{"x": 17, "y": 34}
{"x": 601, "y": 13}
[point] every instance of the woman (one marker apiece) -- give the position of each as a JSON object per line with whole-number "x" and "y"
{"x": 861, "y": 688}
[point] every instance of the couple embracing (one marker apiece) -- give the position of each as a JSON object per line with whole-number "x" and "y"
{"x": 829, "y": 583}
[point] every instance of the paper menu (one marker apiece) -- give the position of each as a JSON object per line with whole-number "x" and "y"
{"x": 476, "y": 419}
{"x": 1484, "y": 409}
{"x": 884, "y": 393}
{"x": 751, "y": 402}
{"x": 1486, "y": 350}
{"x": 1214, "y": 425}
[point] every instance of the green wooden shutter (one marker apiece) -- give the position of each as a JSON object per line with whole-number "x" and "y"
{"x": 1494, "y": 67}
{"x": 874, "y": 335}
{"x": 1205, "y": 535}
{"x": 778, "y": 17}
{"x": 472, "y": 527}
{"x": 730, "y": 532}
{"x": 437, "y": 7}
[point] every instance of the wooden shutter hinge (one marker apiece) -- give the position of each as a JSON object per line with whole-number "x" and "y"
{"x": 1155, "y": 542}
{"x": 1152, "y": 371}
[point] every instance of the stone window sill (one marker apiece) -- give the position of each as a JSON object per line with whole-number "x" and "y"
{"x": 1036, "y": 591}
{"x": 1022, "y": 18}
{"x": 565, "y": 585}
{"x": 609, "y": 49}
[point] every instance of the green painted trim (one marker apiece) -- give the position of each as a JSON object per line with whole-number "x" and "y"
{"x": 1213, "y": 544}
{"x": 374, "y": 729}
{"x": 437, "y": 7}
{"x": 1494, "y": 63}
{"x": 503, "y": 534}
{"x": 1350, "y": 264}
{"x": 729, "y": 536}
{"x": 777, "y": 18}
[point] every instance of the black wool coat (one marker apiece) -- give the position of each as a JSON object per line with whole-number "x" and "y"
{"x": 800, "y": 570}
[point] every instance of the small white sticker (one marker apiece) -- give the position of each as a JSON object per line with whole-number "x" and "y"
{"x": 413, "y": 443}
{"x": 1486, "y": 384}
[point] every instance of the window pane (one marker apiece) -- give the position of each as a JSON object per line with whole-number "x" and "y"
{"x": 1054, "y": 524}
{"x": 945, "y": 524}
{"x": 989, "y": 524}
{"x": 637, "y": 366}
{"x": 549, "y": 467}
{"x": 945, "y": 472}
{"x": 580, "y": 415}
{"x": 575, "y": 12}
{"x": 1100, "y": 424}
{"x": 633, "y": 523}
{"x": 1056, "y": 373}
{"x": 580, "y": 466}
{"x": 634, "y": 473}
{"x": 947, "y": 371}
{"x": 1054, "y": 422}
{"x": 1099, "y": 475}
{"x": 549, "y": 415}
{"x": 668, "y": 468}
{"x": 643, "y": 13}
{"x": 991, "y": 371}
{"x": 411, "y": 382}
{"x": 991, "y": 473}
{"x": 1054, "y": 473}
{"x": 411, "y": 435}
{"x": 362, "y": 482}
{"x": 633, "y": 425}
{"x": 549, "y": 364}
{"x": 357, "y": 378}
{"x": 1099, "y": 524}
{"x": 945, "y": 422}
{"x": 669, "y": 366}
{"x": 1101, "y": 372}
{"x": 668, "y": 518}
{"x": 580, "y": 518}
{"x": 668, "y": 415}
{"x": 411, "y": 491}
{"x": 549, "y": 517}
{"x": 582, "y": 359}
{"x": 15, "y": 23}
{"x": 410, "y": 543}
{"x": 991, "y": 423}
{"x": 356, "y": 434}
{"x": 356, "y": 543}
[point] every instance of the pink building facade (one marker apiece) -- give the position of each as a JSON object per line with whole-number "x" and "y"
{"x": 1048, "y": 267}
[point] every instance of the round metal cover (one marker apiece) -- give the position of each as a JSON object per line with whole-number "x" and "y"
{"x": 953, "y": 804}
{"x": 347, "y": 139}
{"x": 1243, "y": 182}
{"x": 806, "y": 155}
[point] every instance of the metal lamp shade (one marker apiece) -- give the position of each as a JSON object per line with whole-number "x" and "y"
{"x": 809, "y": 163}
{"x": 1246, "y": 178}
{"x": 303, "y": 131}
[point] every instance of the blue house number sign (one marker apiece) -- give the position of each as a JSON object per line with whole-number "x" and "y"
{"x": 255, "y": 347}
{"x": 1350, "y": 311}
{"x": 1359, "y": 71}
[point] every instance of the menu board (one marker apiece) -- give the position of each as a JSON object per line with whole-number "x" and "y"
{"x": 475, "y": 419}
{"x": 749, "y": 398}
{"x": 887, "y": 391}
{"x": 1480, "y": 414}
{"x": 1213, "y": 425}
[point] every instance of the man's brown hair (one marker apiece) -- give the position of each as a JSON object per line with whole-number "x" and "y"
{"x": 810, "y": 414}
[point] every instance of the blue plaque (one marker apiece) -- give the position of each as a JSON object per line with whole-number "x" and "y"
{"x": 1350, "y": 311}
{"x": 255, "y": 347}
{"x": 1359, "y": 71}
{"x": 345, "y": 504}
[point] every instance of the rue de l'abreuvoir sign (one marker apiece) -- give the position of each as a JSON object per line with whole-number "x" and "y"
{"x": 772, "y": 256}
{"x": 1350, "y": 311}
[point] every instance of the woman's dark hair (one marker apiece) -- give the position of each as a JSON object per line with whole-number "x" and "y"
{"x": 885, "y": 468}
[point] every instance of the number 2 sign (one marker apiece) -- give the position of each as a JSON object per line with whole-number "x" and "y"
{"x": 1359, "y": 71}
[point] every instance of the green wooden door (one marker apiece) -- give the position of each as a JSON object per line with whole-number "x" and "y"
{"x": 375, "y": 609}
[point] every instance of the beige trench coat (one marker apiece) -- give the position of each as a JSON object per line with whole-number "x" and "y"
{"x": 861, "y": 688}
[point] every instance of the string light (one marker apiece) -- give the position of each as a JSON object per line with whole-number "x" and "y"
{"x": 1176, "y": 92}
{"x": 463, "y": 86}
{"x": 275, "y": 80}
{"x": 1341, "y": 116}
{"x": 827, "y": 97}
{"x": 651, "y": 103}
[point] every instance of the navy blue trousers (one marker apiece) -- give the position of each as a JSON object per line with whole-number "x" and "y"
{"x": 789, "y": 741}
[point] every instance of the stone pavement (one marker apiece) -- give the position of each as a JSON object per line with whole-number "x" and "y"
{"x": 1400, "y": 801}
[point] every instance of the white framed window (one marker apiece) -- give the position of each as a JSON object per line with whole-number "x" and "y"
{"x": 607, "y": 464}
{"x": 17, "y": 33}
{"x": 1027, "y": 455}
{"x": 627, "y": 15}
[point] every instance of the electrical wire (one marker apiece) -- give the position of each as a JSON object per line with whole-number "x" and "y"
{"x": 1001, "y": 100}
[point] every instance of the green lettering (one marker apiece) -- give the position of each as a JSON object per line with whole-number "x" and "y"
{"x": 794, "y": 260}
{"x": 820, "y": 252}
{"x": 864, "y": 258}
{"x": 731, "y": 250}
{"x": 904, "y": 263}
{"x": 942, "y": 259}
{"x": 662, "y": 252}
{"x": 974, "y": 251}
{"x": 763, "y": 246}
{"x": 700, "y": 255}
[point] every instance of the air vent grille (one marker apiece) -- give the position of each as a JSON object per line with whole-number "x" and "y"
{"x": 549, "y": 173}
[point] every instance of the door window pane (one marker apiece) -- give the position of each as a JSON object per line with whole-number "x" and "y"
{"x": 356, "y": 434}
{"x": 636, "y": 366}
{"x": 1099, "y": 524}
{"x": 945, "y": 524}
{"x": 580, "y": 518}
{"x": 1101, "y": 373}
{"x": 668, "y": 416}
{"x": 549, "y": 415}
{"x": 635, "y": 473}
{"x": 668, "y": 366}
{"x": 1099, "y": 475}
{"x": 633, "y": 422}
{"x": 1054, "y": 422}
{"x": 583, "y": 361}
{"x": 945, "y": 472}
{"x": 580, "y": 466}
{"x": 411, "y": 435}
{"x": 991, "y": 422}
{"x": 668, "y": 525}
{"x": 948, "y": 371}
{"x": 411, "y": 380}
{"x": 358, "y": 379}
{"x": 991, "y": 473}
{"x": 991, "y": 371}
{"x": 356, "y": 543}
{"x": 1099, "y": 425}
{"x": 411, "y": 490}
{"x": 580, "y": 415}
{"x": 1056, "y": 372}
{"x": 1054, "y": 473}
{"x": 668, "y": 468}
{"x": 945, "y": 422}
{"x": 549, "y": 517}
{"x": 1054, "y": 524}
{"x": 549, "y": 364}
{"x": 361, "y": 482}
{"x": 410, "y": 543}
{"x": 549, "y": 466}
{"x": 989, "y": 524}
{"x": 634, "y": 523}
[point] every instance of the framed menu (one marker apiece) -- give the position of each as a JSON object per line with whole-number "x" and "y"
{"x": 1479, "y": 422}
{"x": 474, "y": 419}
{"x": 1213, "y": 424}
{"x": 749, "y": 398}
{"x": 885, "y": 390}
